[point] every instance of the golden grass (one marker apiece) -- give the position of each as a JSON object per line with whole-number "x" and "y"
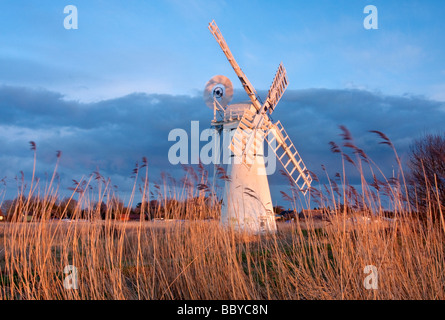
{"x": 197, "y": 259}
{"x": 200, "y": 260}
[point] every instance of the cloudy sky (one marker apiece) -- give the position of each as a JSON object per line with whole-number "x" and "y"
{"x": 109, "y": 92}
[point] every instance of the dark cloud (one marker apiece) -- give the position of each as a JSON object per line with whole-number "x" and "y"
{"x": 113, "y": 134}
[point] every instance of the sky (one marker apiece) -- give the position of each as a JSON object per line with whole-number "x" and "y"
{"x": 108, "y": 93}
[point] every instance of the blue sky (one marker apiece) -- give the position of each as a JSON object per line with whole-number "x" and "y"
{"x": 165, "y": 47}
{"x": 88, "y": 91}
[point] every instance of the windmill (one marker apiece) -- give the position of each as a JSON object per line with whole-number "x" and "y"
{"x": 247, "y": 203}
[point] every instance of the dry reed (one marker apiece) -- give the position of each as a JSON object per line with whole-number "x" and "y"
{"x": 192, "y": 257}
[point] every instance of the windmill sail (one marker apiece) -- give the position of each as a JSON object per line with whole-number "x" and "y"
{"x": 253, "y": 126}
{"x": 251, "y": 92}
{"x": 277, "y": 89}
{"x": 289, "y": 157}
{"x": 256, "y": 124}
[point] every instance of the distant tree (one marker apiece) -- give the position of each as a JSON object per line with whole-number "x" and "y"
{"x": 15, "y": 209}
{"x": 143, "y": 208}
{"x": 278, "y": 209}
{"x": 116, "y": 209}
{"x": 68, "y": 207}
{"x": 35, "y": 207}
{"x": 427, "y": 173}
{"x": 156, "y": 209}
{"x": 102, "y": 209}
{"x": 7, "y": 206}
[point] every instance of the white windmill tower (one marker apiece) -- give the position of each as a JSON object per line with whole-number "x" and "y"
{"x": 247, "y": 203}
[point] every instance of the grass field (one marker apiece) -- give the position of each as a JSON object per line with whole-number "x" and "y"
{"x": 200, "y": 260}
{"x": 194, "y": 258}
